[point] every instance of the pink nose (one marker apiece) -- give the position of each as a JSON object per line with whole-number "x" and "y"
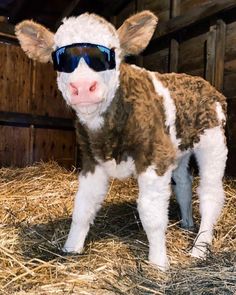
{"x": 84, "y": 91}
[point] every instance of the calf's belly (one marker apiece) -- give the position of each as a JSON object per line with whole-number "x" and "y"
{"x": 122, "y": 170}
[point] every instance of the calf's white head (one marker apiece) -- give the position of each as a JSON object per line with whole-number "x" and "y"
{"x": 87, "y": 52}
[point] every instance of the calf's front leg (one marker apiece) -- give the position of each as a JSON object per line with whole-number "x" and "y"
{"x": 153, "y": 201}
{"x": 92, "y": 190}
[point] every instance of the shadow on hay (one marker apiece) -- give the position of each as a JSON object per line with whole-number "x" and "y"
{"x": 214, "y": 276}
{"x": 119, "y": 222}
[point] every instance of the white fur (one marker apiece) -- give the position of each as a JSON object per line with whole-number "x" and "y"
{"x": 153, "y": 201}
{"x": 92, "y": 190}
{"x": 137, "y": 67}
{"x": 122, "y": 170}
{"x": 88, "y": 28}
{"x": 169, "y": 106}
{"x": 211, "y": 154}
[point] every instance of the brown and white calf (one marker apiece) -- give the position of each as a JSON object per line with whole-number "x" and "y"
{"x": 135, "y": 122}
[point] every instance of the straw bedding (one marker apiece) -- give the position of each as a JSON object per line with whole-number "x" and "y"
{"x": 35, "y": 211}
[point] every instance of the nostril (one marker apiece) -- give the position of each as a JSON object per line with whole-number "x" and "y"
{"x": 93, "y": 87}
{"x": 74, "y": 89}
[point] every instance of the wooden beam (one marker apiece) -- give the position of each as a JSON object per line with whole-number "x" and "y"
{"x": 210, "y": 55}
{"x": 220, "y": 54}
{"x": 173, "y": 56}
{"x": 31, "y": 145}
{"x": 175, "y": 8}
{"x": 197, "y": 15}
{"x": 26, "y": 120}
{"x": 7, "y": 30}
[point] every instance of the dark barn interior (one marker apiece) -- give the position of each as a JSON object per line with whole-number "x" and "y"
{"x": 193, "y": 36}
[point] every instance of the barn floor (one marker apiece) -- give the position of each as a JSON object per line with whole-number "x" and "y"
{"x": 35, "y": 212}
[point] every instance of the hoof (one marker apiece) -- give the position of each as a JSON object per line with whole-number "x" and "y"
{"x": 188, "y": 227}
{"x": 199, "y": 251}
{"x": 160, "y": 264}
{"x": 71, "y": 249}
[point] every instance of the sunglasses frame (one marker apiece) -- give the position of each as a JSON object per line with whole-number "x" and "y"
{"x": 109, "y": 51}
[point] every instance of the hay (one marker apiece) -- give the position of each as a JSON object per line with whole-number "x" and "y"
{"x": 35, "y": 210}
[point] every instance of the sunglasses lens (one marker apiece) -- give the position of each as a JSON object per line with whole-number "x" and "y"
{"x": 98, "y": 58}
{"x": 63, "y": 61}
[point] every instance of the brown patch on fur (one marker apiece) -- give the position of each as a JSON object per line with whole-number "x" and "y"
{"x": 135, "y": 121}
{"x": 35, "y": 40}
{"x": 195, "y": 100}
{"x": 134, "y": 126}
{"x": 136, "y": 32}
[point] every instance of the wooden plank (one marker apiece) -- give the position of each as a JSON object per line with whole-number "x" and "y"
{"x": 14, "y": 146}
{"x": 230, "y": 67}
{"x": 220, "y": 54}
{"x": 15, "y": 79}
{"x": 174, "y": 56}
{"x": 187, "y": 5}
{"x": 192, "y": 55}
{"x": 230, "y": 84}
{"x": 230, "y": 50}
{"x": 211, "y": 55}
{"x": 31, "y": 145}
{"x": 46, "y": 98}
{"x": 157, "y": 61}
{"x": 156, "y": 6}
{"x": 8, "y": 39}
{"x": 55, "y": 145}
{"x": 7, "y": 29}
{"x": 197, "y": 15}
{"x": 175, "y": 8}
{"x": 11, "y": 118}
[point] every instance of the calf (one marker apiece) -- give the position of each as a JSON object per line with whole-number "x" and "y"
{"x": 134, "y": 122}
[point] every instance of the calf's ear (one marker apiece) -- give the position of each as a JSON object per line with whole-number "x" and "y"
{"x": 136, "y": 32}
{"x": 35, "y": 40}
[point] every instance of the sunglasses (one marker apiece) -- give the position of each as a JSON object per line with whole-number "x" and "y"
{"x": 98, "y": 57}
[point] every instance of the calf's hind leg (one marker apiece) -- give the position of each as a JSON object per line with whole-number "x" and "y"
{"x": 211, "y": 155}
{"x": 183, "y": 191}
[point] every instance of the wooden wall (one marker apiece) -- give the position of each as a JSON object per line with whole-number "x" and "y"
{"x": 197, "y": 37}
{"x": 35, "y": 123}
